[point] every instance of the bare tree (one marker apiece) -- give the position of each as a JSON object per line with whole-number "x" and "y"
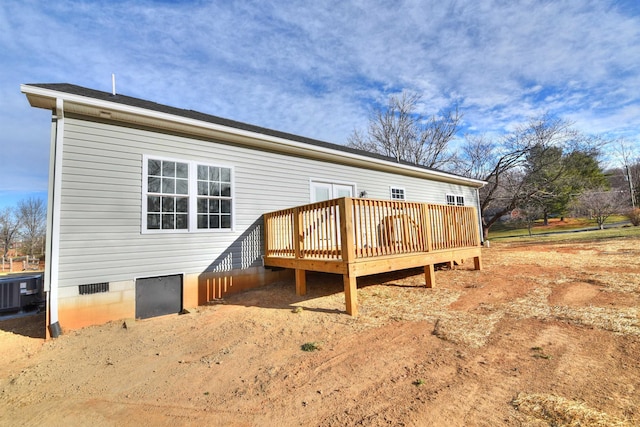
{"x": 401, "y": 132}
{"x": 435, "y": 136}
{"x": 600, "y": 204}
{"x": 9, "y": 228}
{"x": 33, "y": 215}
{"x": 630, "y": 161}
{"x": 506, "y": 168}
{"x": 478, "y": 156}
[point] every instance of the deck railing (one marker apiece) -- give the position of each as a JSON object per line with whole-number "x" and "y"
{"x": 349, "y": 229}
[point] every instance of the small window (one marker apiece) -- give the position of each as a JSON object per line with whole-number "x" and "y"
{"x": 455, "y": 200}
{"x": 397, "y": 193}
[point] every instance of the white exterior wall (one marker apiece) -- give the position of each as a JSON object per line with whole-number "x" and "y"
{"x": 100, "y": 234}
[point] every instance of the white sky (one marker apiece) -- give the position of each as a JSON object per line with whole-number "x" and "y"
{"x": 317, "y": 68}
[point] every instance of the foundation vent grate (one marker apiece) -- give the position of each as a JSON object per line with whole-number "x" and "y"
{"x": 94, "y": 288}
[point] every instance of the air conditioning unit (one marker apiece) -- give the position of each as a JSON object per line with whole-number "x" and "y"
{"x": 9, "y": 295}
{"x": 20, "y": 292}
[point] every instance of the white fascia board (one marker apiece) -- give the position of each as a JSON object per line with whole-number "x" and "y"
{"x": 250, "y": 138}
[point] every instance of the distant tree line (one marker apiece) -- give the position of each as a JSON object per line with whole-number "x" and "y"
{"x": 543, "y": 167}
{"x": 25, "y": 224}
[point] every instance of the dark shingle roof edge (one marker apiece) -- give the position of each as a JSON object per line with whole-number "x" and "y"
{"x": 208, "y": 118}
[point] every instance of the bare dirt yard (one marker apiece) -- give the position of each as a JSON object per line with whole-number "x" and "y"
{"x": 547, "y": 334}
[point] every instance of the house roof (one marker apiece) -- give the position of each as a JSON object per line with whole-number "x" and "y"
{"x": 90, "y": 102}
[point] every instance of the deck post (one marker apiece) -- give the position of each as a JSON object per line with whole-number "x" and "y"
{"x": 346, "y": 229}
{"x": 267, "y": 234}
{"x": 301, "y": 282}
{"x": 429, "y": 276}
{"x": 477, "y": 263}
{"x": 351, "y": 294}
{"x": 348, "y": 254}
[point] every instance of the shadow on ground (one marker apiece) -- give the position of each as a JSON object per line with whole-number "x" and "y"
{"x": 282, "y": 295}
{"x": 29, "y": 325}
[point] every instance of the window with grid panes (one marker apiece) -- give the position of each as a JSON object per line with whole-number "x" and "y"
{"x": 186, "y": 196}
{"x": 455, "y": 200}
{"x": 167, "y": 195}
{"x": 214, "y": 197}
{"x": 397, "y": 193}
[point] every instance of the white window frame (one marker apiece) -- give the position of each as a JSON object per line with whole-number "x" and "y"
{"x": 397, "y": 190}
{"x": 458, "y": 199}
{"x": 192, "y": 195}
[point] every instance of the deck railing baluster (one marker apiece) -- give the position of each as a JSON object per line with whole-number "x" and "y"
{"x": 378, "y": 228}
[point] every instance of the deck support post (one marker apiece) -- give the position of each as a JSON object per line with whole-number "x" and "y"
{"x": 345, "y": 206}
{"x": 429, "y": 276}
{"x": 301, "y": 282}
{"x": 351, "y": 294}
{"x": 477, "y": 263}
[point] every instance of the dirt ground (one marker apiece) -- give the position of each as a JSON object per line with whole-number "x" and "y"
{"x": 545, "y": 335}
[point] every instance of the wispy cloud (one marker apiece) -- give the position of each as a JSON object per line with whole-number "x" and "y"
{"x": 316, "y": 68}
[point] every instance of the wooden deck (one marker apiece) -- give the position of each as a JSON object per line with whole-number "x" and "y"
{"x": 358, "y": 237}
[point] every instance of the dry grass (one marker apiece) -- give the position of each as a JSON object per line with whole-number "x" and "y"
{"x": 605, "y": 264}
{"x": 382, "y": 304}
{"x": 550, "y": 410}
{"x": 536, "y": 305}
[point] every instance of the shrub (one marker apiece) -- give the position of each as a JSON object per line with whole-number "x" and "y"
{"x": 310, "y": 346}
{"x": 634, "y": 216}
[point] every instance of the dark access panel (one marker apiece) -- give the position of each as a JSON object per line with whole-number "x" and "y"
{"x": 157, "y": 296}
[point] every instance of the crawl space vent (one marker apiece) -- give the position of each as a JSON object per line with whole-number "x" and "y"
{"x": 94, "y": 288}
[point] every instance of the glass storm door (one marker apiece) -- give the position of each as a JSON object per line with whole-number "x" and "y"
{"x": 327, "y": 224}
{"x": 321, "y": 191}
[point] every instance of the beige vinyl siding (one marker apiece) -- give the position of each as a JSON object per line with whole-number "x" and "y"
{"x": 100, "y": 235}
